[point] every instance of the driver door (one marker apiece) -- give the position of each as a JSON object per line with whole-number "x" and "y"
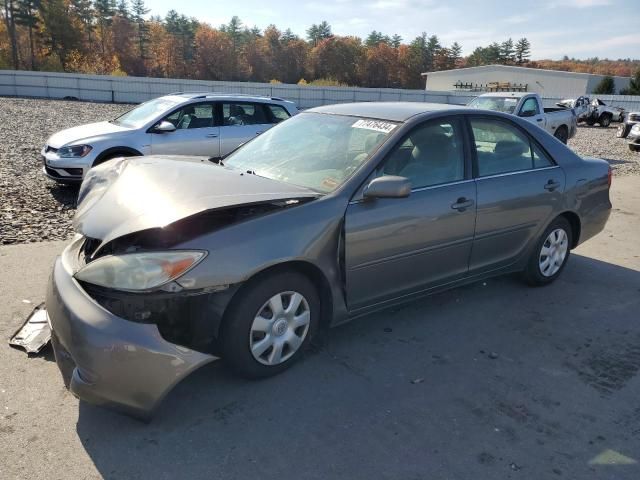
{"x": 532, "y": 112}
{"x": 195, "y": 132}
{"x": 398, "y": 246}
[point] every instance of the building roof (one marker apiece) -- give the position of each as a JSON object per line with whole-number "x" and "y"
{"x": 514, "y": 68}
{"x": 394, "y": 111}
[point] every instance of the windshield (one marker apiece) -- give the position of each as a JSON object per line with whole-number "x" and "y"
{"x": 313, "y": 150}
{"x": 145, "y": 112}
{"x": 498, "y": 104}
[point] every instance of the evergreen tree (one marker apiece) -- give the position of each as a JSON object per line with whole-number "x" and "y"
{"x": 376, "y": 38}
{"x": 455, "y": 54}
{"x": 83, "y": 10}
{"x": 27, "y": 15}
{"x": 523, "y": 51}
{"x": 634, "y": 85}
{"x": 10, "y": 12}
{"x": 606, "y": 86}
{"x": 139, "y": 10}
{"x": 123, "y": 9}
{"x": 317, "y": 33}
{"x": 104, "y": 12}
{"x": 507, "y": 52}
{"x": 288, "y": 36}
{"x": 396, "y": 41}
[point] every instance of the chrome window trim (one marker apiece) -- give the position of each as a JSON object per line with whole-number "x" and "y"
{"x": 529, "y": 170}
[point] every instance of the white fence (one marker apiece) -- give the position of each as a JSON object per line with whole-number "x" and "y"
{"x": 139, "y": 89}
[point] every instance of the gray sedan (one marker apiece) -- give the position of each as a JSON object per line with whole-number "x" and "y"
{"x": 340, "y": 211}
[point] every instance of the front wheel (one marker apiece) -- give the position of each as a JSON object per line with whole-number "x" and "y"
{"x": 550, "y": 254}
{"x": 270, "y": 324}
{"x": 623, "y": 130}
{"x": 634, "y": 148}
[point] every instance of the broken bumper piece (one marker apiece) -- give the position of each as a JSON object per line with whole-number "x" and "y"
{"x": 107, "y": 360}
{"x": 35, "y": 333}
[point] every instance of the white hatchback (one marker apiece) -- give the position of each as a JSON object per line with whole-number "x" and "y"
{"x": 195, "y": 124}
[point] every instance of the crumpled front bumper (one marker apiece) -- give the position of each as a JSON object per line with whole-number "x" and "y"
{"x": 107, "y": 360}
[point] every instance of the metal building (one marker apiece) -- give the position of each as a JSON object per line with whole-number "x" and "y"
{"x": 548, "y": 83}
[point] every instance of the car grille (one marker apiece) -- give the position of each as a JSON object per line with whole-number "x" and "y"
{"x": 52, "y": 172}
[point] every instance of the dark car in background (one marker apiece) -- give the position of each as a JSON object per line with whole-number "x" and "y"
{"x": 340, "y": 211}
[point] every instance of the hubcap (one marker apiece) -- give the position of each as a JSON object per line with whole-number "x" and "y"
{"x": 554, "y": 251}
{"x": 279, "y": 328}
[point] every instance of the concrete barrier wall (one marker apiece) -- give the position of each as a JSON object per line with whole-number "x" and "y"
{"x": 101, "y": 88}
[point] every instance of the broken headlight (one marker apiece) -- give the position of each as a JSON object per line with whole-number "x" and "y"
{"x": 137, "y": 272}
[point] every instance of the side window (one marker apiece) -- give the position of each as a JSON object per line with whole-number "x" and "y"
{"x": 243, "y": 114}
{"x": 277, "y": 113}
{"x": 432, "y": 154}
{"x": 540, "y": 159}
{"x": 502, "y": 148}
{"x": 529, "y": 107}
{"x": 192, "y": 116}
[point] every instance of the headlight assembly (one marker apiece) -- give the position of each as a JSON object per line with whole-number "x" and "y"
{"x": 138, "y": 272}
{"x": 74, "y": 151}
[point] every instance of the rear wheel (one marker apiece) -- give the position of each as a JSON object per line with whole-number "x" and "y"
{"x": 623, "y": 130}
{"x": 550, "y": 255}
{"x": 270, "y": 324}
{"x": 634, "y": 148}
{"x": 562, "y": 134}
{"x": 604, "y": 120}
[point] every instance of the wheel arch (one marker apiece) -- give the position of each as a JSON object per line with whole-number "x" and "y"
{"x": 309, "y": 270}
{"x": 576, "y": 226}
{"x": 115, "y": 151}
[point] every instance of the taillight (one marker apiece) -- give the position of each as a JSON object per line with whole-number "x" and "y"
{"x": 609, "y": 177}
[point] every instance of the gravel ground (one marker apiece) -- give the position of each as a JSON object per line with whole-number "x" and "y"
{"x": 33, "y": 208}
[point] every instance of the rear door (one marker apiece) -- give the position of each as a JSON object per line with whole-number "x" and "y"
{"x": 398, "y": 246}
{"x": 195, "y": 134}
{"x": 241, "y": 122}
{"x": 519, "y": 190}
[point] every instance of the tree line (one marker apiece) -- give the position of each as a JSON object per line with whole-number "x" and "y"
{"x": 119, "y": 38}
{"x": 109, "y": 37}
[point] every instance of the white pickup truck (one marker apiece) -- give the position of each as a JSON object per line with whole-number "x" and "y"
{"x": 559, "y": 122}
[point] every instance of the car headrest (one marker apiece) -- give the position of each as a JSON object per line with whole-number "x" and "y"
{"x": 510, "y": 148}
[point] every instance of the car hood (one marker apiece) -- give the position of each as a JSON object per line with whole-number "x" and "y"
{"x": 83, "y": 132}
{"x": 155, "y": 191}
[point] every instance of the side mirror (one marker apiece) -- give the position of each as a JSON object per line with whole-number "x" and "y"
{"x": 164, "y": 127}
{"x": 388, "y": 186}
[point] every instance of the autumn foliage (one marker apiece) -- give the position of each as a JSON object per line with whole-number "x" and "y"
{"x": 105, "y": 37}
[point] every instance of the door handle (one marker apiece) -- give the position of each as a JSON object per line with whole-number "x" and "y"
{"x": 462, "y": 204}
{"x": 212, "y": 135}
{"x": 539, "y": 120}
{"x": 551, "y": 185}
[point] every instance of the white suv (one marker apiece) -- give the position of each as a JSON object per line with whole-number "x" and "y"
{"x": 200, "y": 124}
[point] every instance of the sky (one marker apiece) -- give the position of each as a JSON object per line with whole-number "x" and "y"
{"x": 577, "y": 28}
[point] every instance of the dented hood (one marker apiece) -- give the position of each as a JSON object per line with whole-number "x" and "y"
{"x": 151, "y": 192}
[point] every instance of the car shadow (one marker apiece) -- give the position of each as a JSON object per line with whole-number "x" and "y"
{"x": 65, "y": 195}
{"x": 476, "y": 382}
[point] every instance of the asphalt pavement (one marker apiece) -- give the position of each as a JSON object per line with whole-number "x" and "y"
{"x": 494, "y": 380}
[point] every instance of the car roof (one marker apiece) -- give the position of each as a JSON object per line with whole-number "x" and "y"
{"x": 224, "y": 96}
{"x": 394, "y": 111}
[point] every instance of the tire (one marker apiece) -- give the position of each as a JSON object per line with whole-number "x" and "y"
{"x": 634, "y": 148}
{"x": 604, "y": 120}
{"x": 590, "y": 121}
{"x": 562, "y": 134}
{"x": 253, "y": 333}
{"x": 535, "y": 273}
{"x": 623, "y": 130}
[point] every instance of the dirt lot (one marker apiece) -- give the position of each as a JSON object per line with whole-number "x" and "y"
{"x": 491, "y": 381}
{"x": 33, "y": 208}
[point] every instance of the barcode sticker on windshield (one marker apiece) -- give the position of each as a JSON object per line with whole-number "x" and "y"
{"x": 377, "y": 125}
